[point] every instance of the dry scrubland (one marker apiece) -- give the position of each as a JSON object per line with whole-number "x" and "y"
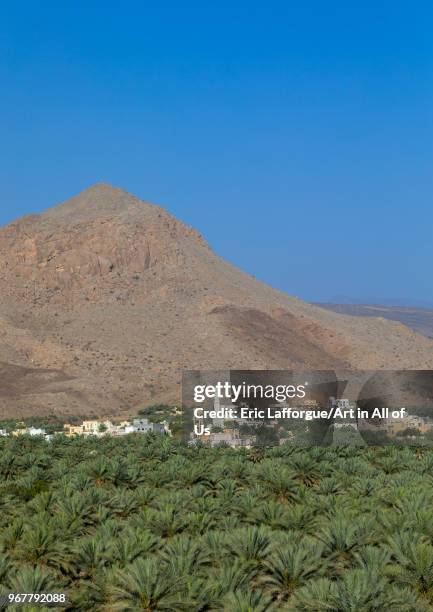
{"x": 145, "y": 523}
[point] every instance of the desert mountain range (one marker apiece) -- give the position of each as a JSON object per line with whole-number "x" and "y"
{"x": 105, "y": 298}
{"x": 418, "y": 319}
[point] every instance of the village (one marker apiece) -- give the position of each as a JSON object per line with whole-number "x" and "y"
{"x": 95, "y": 427}
{"x": 228, "y": 429}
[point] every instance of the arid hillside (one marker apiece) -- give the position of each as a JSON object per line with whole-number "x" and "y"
{"x": 105, "y": 298}
{"x": 418, "y": 319}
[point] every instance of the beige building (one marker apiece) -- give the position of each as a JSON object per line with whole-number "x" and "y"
{"x": 72, "y": 430}
{"x": 230, "y": 437}
{"x": 89, "y": 426}
{"x": 396, "y": 426}
{"x": 19, "y": 432}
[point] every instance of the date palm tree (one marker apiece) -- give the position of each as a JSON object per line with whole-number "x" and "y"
{"x": 143, "y": 586}
{"x": 290, "y": 567}
{"x": 40, "y": 546}
{"x": 316, "y": 595}
{"x": 183, "y": 556}
{"x": 248, "y": 601}
{"x": 415, "y": 568}
{"x": 33, "y": 580}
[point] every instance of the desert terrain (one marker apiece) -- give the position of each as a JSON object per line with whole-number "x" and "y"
{"x": 105, "y": 299}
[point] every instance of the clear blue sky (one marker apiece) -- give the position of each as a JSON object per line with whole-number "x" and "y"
{"x": 296, "y": 136}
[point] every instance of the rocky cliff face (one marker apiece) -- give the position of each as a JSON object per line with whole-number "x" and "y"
{"x": 104, "y": 237}
{"x": 105, "y": 299}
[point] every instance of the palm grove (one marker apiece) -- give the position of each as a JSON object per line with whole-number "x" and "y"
{"x": 147, "y": 523}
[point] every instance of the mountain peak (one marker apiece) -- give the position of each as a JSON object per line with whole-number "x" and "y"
{"x": 85, "y": 238}
{"x": 100, "y": 200}
{"x": 101, "y": 190}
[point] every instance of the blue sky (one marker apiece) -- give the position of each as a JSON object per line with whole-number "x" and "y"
{"x": 297, "y": 137}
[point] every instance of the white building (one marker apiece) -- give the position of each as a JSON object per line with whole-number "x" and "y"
{"x": 35, "y": 431}
{"x": 144, "y": 426}
{"x": 342, "y": 404}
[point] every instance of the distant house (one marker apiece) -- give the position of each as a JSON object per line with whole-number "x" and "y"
{"x": 72, "y": 430}
{"x": 35, "y": 431}
{"x": 232, "y": 438}
{"x": 341, "y": 404}
{"x": 90, "y": 426}
{"x": 411, "y": 421}
{"x": 144, "y": 426}
{"x": 395, "y": 426}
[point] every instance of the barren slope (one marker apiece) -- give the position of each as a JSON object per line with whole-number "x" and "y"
{"x": 105, "y": 299}
{"x": 418, "y": 319}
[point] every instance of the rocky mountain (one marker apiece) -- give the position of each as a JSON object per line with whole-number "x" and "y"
{"x": 105, "y": 298}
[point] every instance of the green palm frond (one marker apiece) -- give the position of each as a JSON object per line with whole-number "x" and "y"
{"x": 247, "y": 601}
{"x": 143, "y": 586}
{"x": 291, "y": 567}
